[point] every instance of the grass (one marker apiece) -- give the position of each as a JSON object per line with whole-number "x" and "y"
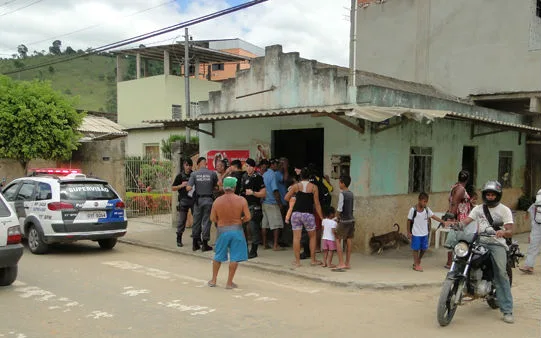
{"x": 92, "y": 78}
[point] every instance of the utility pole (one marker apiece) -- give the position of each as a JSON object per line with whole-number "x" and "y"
{"x": 353, "y": 43}
{"x": 187, "y": 80}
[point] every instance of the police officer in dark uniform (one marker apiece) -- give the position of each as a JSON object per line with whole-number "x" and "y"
{"x": 205, "y": 183}
{"x": 185, "y": 202}
{"x": 237, "y": 172}
{"x": 253, "y": 189}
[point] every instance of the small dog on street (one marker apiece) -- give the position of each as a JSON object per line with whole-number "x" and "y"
{"x": 391, "y": 239}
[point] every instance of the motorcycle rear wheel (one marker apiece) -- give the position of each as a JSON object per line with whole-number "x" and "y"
{"x": 446, "y": 303}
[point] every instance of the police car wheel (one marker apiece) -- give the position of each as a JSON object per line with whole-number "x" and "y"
{"x": 35, "y": 241}
{"x": 107, "y": 244}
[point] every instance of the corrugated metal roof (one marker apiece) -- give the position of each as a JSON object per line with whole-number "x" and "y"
{"x": 369, "y": 113}
{"x": 101, "y": 127}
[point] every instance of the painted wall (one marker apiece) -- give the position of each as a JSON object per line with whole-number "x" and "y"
{"x": 461, "y": 46}
{"x": 151, "y": 98}
{"x": 380, "y": 162}
{"x": 297, "y": 83}
{"x": 137, "y": 138}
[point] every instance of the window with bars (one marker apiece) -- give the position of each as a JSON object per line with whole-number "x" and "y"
{"x": 194, "y": 109}
{"x": 420, "y": 169}
{"x": 176, "y": 111}
{"x": 218, "y": 66}
{"x": 505, "y": 168}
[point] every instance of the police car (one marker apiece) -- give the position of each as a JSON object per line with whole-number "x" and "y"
{"x": 64, "y": 205}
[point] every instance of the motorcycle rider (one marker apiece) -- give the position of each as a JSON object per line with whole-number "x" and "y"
{"x": 492, "y": 194}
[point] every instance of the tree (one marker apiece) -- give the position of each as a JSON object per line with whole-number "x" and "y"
{"x": 36, "y": 122}
{"x": 23, "y": 51}
{"x": 55, "y": 48}
{"x": 70, "y": 51}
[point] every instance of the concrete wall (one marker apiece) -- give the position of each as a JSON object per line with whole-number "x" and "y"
{"x": 11, "y": 169}
{"x": 103, "y": 159}
{"x": 297, "y": 83}
{"x": 461, "y": 47}
{"x": 137, "y": 138}
{"x": 379, "y": 162}
{"x": 151, "y": 98}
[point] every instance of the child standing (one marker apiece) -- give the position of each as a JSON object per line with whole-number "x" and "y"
{"x": 346, "y": 224}
{"x": 328, "y": 240}
{"x": 418, "y": 229}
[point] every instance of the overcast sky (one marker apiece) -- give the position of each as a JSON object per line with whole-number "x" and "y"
{"x": 318, "y": 29}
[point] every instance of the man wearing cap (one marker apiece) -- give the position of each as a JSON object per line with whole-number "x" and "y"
{"x": 272, "y": 206}
{"x": 253, "y": 189}
{"x": 229, "y": 212}
{"x": 204, "y": 182}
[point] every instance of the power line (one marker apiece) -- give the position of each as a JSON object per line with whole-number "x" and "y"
{"x": 99, "y": 24}
{"x": 18, "y": 9}
{"x": 7, "y": 3}
{"x": 144, "y": 36}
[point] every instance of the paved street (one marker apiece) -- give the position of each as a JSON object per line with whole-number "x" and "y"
{"x": 79, "y": 291}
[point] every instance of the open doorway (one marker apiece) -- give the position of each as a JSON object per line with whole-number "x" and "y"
{"x": 469, "y": 162}
{"x": 299, "y": 146}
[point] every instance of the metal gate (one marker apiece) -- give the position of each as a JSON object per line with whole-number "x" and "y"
{"x": 148, "y": 188}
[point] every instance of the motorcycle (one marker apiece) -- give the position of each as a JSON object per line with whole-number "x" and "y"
{"x": 471, "y": 274}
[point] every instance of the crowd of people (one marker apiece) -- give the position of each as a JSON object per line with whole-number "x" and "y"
{"x": 279, "y": 206}
{"x": 274, "y": 207}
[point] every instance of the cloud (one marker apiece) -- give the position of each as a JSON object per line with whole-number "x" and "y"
{"x": 317, "y": 29}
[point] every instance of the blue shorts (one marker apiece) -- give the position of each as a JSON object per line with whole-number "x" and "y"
{"x": 419, "y": 243}
{"x": 232, "y": 241}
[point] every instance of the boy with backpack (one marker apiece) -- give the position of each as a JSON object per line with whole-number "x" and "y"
{"x": 418, "y": 229}
{"x": 535, "y": 235}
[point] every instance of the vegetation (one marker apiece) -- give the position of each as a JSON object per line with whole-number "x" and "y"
{"x": 36, "y": 122}
{"x": 167, "y": 143}
{"x": 148, "y": 203}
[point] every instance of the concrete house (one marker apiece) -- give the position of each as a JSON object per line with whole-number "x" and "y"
{"x": 486, "y": 50}
{"x": 395, "y": 138}
{"x": 163, "y": 96}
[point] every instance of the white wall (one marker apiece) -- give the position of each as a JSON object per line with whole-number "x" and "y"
{"x": 461, "y": 47}
{"x": 137, "y": 138}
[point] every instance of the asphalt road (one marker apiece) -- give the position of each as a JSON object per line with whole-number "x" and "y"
{"x": 78, "y": 290}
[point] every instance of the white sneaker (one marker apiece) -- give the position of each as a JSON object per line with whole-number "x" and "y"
{"x": 508, "y": 318}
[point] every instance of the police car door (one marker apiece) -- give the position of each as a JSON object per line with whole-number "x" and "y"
{"x": 24, "y": 202}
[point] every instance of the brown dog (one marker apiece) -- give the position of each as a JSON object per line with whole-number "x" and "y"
{"x": 390, "y": 239}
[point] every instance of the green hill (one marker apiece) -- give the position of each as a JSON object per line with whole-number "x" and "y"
{"x": 92, "y": 78}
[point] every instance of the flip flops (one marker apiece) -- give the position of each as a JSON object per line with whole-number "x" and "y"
{"x": 525, "y": 269}
{"x": 338, "y": 270}
{"x": 232, "y": 286}
{"x": 211, "y": 284}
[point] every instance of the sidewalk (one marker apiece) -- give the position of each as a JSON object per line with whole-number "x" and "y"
{"x": 390, "y": 270}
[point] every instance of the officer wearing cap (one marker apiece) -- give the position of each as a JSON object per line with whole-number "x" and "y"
{"x": 204, "y": 182}
{"x": 253, "y": 189}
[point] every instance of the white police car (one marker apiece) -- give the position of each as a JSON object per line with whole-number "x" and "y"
{"x": 63, "y": 205}
{"x": 11, "y": 249}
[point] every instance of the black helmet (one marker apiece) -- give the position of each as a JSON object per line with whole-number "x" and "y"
{"x": 495, "y": 187}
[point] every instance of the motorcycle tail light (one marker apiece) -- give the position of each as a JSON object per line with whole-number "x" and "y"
{"x": 462, "y": 249}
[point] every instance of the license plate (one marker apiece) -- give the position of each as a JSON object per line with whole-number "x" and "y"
{"x": 94, "y": 214}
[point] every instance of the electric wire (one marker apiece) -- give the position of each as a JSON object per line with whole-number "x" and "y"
{"x": 20, "y": 8}
{"x": 143, "y": 36}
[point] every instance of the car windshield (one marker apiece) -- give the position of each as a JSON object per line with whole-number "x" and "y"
{"x": 86, "y": 191}
{"x": 4, "y": 210}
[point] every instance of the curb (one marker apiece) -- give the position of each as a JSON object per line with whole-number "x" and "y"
{"x": 281, "y": 271}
